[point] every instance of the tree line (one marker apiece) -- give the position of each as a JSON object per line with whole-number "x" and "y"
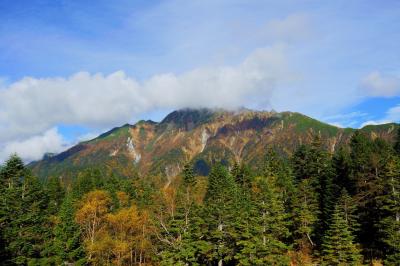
{"x": 314, "y": 208}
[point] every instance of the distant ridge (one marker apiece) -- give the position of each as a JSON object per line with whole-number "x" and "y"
{"x": 202, "y": 136}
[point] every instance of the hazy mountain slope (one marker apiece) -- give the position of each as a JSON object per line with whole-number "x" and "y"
{"x": 201, "y": 136}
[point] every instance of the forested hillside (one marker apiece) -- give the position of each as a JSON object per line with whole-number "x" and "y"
{"x": 316, "y": 206}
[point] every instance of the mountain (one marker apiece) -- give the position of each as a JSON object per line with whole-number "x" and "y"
{"x": 202, "y": 136}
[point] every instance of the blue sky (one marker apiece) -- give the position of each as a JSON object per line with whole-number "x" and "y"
{"x": 72, "y": 69}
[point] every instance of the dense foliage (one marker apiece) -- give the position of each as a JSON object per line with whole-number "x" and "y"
{"x": 315, "y": 208}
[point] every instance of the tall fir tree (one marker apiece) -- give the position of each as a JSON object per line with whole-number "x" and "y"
{"x": 389, "y": 206}
{"x": 12, "y": 172}
{"x": 314, "y": 164}
{"x": 67, "y": 242}
{"x": 55, "y": 192}
{"x": 221, "y": 201}
{"x": 348, "y": 207}
{"x": 397, "y": 142}
{"x": 341, "y": 165}
{"x": 264, "y": 241}
{"x": 241, "y": 174}
{"x": 367, "y": 162}
{"x": 305, "y": 215}
{"x": 23, "y": 211}
{"x": 338, "y": 247}
{"x": 189, "y": 178}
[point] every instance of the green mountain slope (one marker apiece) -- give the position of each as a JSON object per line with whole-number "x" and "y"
{"x": 202, "y": 136}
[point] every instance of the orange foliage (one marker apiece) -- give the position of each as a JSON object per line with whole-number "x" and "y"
{"x": 90, "y": 215}
{"x": 119, "y": 238}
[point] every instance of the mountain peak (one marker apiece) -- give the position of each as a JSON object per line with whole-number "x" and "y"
{"x": 189, "y": 118}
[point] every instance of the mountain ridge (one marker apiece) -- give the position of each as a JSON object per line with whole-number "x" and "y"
{"x": 201, "y": 136}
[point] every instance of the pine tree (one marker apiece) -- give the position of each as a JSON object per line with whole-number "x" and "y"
{"x": 220, "y": 208}
{"x": 55, "y": 193}
{"x": 23, "y": 213}
{"x": 30, "y": 214}
{"x": 300, "y": 162}
{"x": 280, "y": 167}
{"x": 86, "y": 181}
{"x": 314, "y": 164}
{"x": 189, "y": 183}
{"x": 13, "y": 171}
{"x": 323, "y": 171}
{"x": 305, "y": 215}
{"x": 67, "y": 242}
{"x": 263, "y": 240}
{"x": 338, "y": 246}
{"x": 348, "y": 207}
{"x": 389, "y": 206}
{"x": 397, "y": 142}
{"x": 189, "y": 178}
{"x": 341, "y": 165}
{"x": 237, "y": 173}
{"x": 367, "y": 162}
{"x": 241, "y": 174}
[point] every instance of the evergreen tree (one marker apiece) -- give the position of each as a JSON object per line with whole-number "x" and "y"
{"x": 389, "y": 206}
{"x": 23, "y": 213}
{"x": 87, "y": 181}
{"x": 189, "y": 183}
{"x": 220, "y": 202}
{"x": 237, "y": 173}
{"x": 275, "y": 165}
{"x": 263, "y": 240}
{"x": 367, "y": 160}
{"x": 314, "y": 164}
{"x": 348, "y": 207}
{"x": 13, "y": 171}
{"x": 397, "y": 142}
{"x": 341, "y": 165}
{"x": 300, "y": 162}
{"x": 55, "y": 192}
{"x": 26, "y": 229}
{"x": 305, "y": 215}
{"x": 192, "y": 248}
{"x": 67, "y": 242}
{"x": 241, "y": 174}
{"x": 338, "y": 246}
{"x": 189, "y": 178}
{"x": 322, "y": 170}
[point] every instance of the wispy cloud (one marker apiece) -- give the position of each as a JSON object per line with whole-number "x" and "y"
{"x": 376, "y": 84}
{"x": 346, "y": 120}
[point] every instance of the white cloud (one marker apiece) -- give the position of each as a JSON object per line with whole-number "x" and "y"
{"x": 377, "y": 85}
{"x": 34, "y": 147}
{"x": 228, "y": 87}
{"x": 393, "y": 114}
{"x": 32, "y": 106}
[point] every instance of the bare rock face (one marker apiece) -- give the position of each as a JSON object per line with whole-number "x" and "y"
{"x": 202, "y": 136}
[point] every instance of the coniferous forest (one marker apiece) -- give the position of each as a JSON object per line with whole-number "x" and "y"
{"x": 313, "y": 208}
